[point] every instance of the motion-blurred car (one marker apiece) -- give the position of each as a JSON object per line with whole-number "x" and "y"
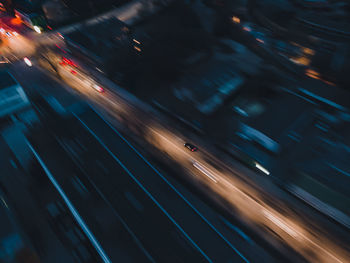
{"x": 191, "y": 147}
{"x": 98, "y": 88}
{"x": 28, "y": 62}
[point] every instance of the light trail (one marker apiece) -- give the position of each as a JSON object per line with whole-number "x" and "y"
{"x": 256, "y": 215}
{"x": 204, "y": 170}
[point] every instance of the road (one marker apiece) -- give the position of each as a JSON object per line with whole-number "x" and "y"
{"x": 166, "y": 224}
{"x": 274, "y": 221}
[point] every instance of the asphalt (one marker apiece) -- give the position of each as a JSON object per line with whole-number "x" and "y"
{"x": 97, "y": 215}
{"x": 165, "y": 226}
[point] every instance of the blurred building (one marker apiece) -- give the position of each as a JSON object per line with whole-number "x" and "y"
{"x": 272, "y": 128}
{"x": 320, "y": 26}
{"x": 266, "y": 127}
{"x": 16, "y": 112}
{"x": 56, "y": 11}
{"x": 98, "y": 43}
{"x": 202, "y": 91}
{"x": 321, "y": 170}
{"x": 12, "y": 96}
{"x": 208, "y": 86}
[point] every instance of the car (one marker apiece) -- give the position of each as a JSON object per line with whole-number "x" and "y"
{"x": 191, "y": 147}
{"x": 98, "y": 88}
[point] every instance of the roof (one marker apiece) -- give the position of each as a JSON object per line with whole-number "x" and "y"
{"x": 280, "y": 115}
{"x": 328, "y": 95}
{"x": 6, "y": 80}
{"x": 326, "y": 157}
{"x": 12, "y": 96}
{"x": 329, "y": 170}
{"x": 101, "y": 39}
{"x": 208, "y": 86}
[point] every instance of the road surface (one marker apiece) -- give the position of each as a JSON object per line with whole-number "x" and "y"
{"x": 165, "y": 224}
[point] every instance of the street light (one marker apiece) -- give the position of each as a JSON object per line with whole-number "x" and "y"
{"x": 236, "y": 19}
{"x": 28, "y": 62}
{"x": 37, "y": 29}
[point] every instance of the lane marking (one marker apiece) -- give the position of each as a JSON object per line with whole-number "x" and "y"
{"x": 238, "y": 230}
{"x": 172, "y": 186}
{"x": 70, "y": 206}
{"x": 145, "y": 190}
{"x": 205, "y": 171}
